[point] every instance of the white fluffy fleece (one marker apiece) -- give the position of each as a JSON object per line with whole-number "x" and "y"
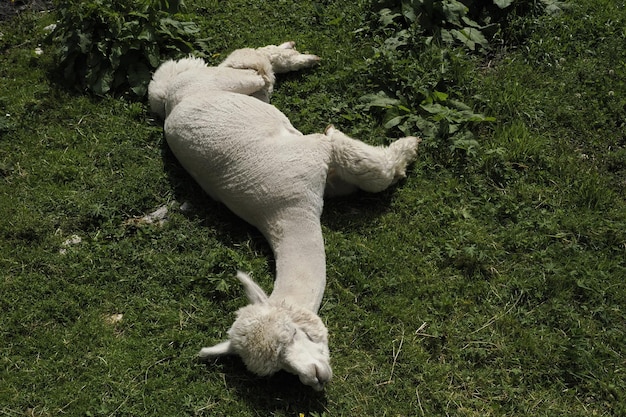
{"x": 245, "y": 153}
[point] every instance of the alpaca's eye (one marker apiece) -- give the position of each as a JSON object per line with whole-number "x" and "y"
{"x": 309, "y": 337}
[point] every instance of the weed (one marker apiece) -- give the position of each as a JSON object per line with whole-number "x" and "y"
{"x": 115, "y": 46}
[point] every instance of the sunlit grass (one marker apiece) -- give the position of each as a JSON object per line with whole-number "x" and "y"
{"x": 487, "y": 283}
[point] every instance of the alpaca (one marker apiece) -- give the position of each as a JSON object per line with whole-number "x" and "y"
{"x": 246, "y": 154}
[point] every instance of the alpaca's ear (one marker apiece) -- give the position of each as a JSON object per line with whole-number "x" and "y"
{"x": 224, "y": 348}
{"x": 255, "y": 294}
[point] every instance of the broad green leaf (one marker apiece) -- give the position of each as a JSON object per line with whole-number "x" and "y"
{"x": 470, "y": 37}
{"x": 394, "y": 122}
{"x": 469, "y": 22}
{"x": 401, "y": 39}
{"x": 502, "y": 3}
{"x": 446, "y": 36}
{"x": 116, "y": 54}
{"x": 554, "y": 6}
{"x": 466, "y": 143}
{"x": 408, "y": 11}
{"x": 426, "y": 127}
{"x": 387, "y": 16}
{"x": 188, "y": 28}
{"x": 435, "y": 108}
{"x": 115, "y": 27}
{"x": 454, "y": 11}
{"x": 152, "y": 53}
{"x": 439, "y": 96}
{"x": 147, "y": 34}
{"x": 103, "y": 83}
{"x": 379, "y": 100}
{"x": 84, "y": 42}
{"x": 458, "y": 105}
{"x": 103, "y": 47}
{"x": 131, "y": 29}
{"x": 138, "y": 77}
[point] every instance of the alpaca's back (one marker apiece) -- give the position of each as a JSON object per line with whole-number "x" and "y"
{"x": 246, "y": 153}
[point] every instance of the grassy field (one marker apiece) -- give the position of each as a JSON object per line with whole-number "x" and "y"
{"x": 491, "y": 282}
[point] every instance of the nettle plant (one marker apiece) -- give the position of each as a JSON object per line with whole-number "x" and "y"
{"x": 113, "y": 46}
{"x": 468, "y": 23}
{"x": 420, "y": 64}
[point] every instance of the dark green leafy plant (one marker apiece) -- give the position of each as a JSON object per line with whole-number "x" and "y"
{"x": 447, "y": 21}
{"x": 420, "y": 60}
{"x": 111, "y": 46}
{"x": 434, "y": 116}
{"x": 469, "y": 23}
{"x": 419, "y": 85}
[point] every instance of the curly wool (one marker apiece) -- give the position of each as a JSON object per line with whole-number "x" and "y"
{"x": 261, "y": 333}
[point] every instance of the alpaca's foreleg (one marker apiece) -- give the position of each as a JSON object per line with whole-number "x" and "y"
{"x": 285, "y": 58}
{"x": 371, "y": 168}
{"x": 267, "y": 61}
{"x": 261, "y": 67}
{"x": 250, "y": 83}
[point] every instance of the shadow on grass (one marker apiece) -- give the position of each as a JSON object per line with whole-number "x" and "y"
{"x": 357, "y": 210}
{"x": 269, "y": 395}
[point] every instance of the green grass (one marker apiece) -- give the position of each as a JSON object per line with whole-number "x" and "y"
{"x": 489, "y": 283}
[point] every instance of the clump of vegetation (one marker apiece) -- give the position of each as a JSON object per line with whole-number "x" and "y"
{"x": 470, "y": 23}
{"x": 114, "y": 46}
{"x": 420, "y": 64}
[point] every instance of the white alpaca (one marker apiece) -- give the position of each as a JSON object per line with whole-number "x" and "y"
{"x": 245, "y": 153}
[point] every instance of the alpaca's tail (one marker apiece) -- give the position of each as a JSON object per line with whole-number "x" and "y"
{"x": 162, "y": 78}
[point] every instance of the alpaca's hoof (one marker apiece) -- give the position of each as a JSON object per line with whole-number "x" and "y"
{"x": 405, "y": 151}
{"x": 309, "y": 60}
{"x": 287, "y": 45}
{"x": 407, "y": 146}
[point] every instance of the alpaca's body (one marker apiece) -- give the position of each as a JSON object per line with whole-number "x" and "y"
{"x": 275, "y": 182}
{"x": 278, "y": 192}
{"x": 245, "y": 153}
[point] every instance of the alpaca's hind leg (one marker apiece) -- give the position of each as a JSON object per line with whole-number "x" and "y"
{"x": 371, "y": 168}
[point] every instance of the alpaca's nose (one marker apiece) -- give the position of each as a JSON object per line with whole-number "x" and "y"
{"x": 323, "y": 373}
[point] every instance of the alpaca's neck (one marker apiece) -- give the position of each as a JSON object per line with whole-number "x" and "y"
{"x": 300, "y": 262}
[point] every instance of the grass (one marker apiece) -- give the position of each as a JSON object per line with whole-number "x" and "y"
{"x": 488, "y": 283}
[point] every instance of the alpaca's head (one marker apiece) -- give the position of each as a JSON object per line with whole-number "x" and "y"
{"x": 271, "y": 337}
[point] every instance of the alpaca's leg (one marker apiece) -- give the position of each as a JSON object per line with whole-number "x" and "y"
{"x": 336, "y": 186}
{"x": 285, "y": 58}
{"x": 248, "y": 82}
{"x": 267, "y": 61}
{"x": 259, "y": 63}
{"x": 371, "y": 168}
